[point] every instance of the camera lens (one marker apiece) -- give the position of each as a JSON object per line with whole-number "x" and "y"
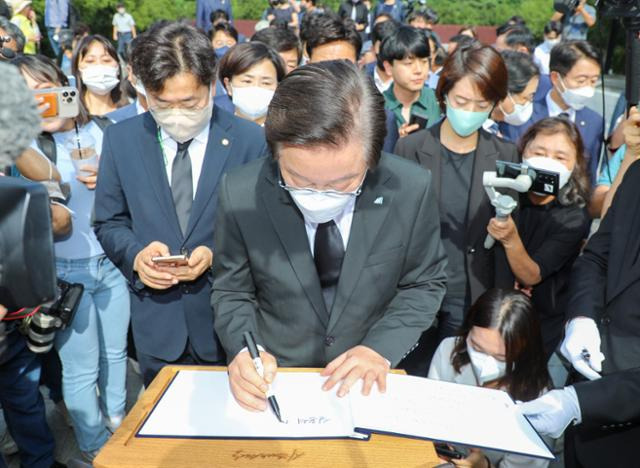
{"x": 73, "y": 93}
{"x": 65, "y": 94}
{"x": 70, "y": 100}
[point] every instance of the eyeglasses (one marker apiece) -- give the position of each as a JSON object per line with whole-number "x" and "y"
{"x": 310, "y": 191}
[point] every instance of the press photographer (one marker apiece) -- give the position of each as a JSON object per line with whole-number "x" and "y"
{"x": 544, "y": 237}
{"x": 576, "y": 18}
{"x": 26, "y": 274}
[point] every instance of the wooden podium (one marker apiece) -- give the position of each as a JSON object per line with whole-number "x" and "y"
{"x": 124, "y": 449}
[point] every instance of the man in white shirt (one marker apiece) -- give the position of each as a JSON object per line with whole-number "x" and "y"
{"x": 124, "y": 28}
{"x": 329, "y": 252}
{"x": 159, "y": 174}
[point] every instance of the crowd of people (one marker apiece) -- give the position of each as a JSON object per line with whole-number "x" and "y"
{"x": 323, "y": 182}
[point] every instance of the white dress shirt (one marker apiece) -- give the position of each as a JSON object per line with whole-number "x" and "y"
{"x": 197, "y": 149}
{"x": 380, "y": 84}
{"x": 139, "y": 109}
{"x": 343, "y": 221}
{"x": 555, "y": 110}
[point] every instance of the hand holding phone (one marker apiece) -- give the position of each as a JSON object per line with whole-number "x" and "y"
{"x": 448, "y": 451}
{"x": 420, "y": 121}
{"x": 170, "y": 260}
{"x": 58, "y": 102}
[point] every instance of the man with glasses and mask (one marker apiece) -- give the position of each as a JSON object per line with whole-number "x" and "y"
{"x": 159, "y": 174}
{"x": 574, "y": 72}
{"x": 329, "y": 252}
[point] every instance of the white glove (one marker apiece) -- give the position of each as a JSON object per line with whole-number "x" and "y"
{"x": 581, "y": 346}
{"x": 553, "y": 412}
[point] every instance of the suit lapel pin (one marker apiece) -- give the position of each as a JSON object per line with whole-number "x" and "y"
{"x": 583, "y": 123}
{"x": 378, "y": 201}
{"x": 225, "y": 142}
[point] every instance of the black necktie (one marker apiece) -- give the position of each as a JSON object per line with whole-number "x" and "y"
{"x": 182, "y": 184}
{"x": 328, "y": 254}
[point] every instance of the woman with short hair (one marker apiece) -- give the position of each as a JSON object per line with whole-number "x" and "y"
{"x": 250, "y": 73}
{"x": 458, "y": 151}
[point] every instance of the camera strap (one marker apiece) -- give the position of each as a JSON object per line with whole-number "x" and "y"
{"x": 47, "y": 145}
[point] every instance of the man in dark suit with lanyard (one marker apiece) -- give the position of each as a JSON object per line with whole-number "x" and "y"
{"x": 159, "y": 173}
{"x": 329, "y": 253}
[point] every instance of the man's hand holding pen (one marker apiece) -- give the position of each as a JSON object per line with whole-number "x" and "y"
{"x": 248, "y": 388}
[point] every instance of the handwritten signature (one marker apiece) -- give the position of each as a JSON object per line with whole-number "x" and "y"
{"x": 287, "y": 457}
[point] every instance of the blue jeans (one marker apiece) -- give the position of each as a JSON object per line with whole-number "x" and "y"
{"x": 55, "y": 45}
{"x": 93, "y": 349}
{"x": 23, "y": 405}
{"x": 123, "y": 40}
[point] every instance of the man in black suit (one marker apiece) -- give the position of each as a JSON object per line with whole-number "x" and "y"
{"x": 602, "y": 337}
{"x": 329, "y": 252}
{"x": 157, "y": 195}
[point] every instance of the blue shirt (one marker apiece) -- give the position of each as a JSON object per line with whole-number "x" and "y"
{"x": 574, "y": 27}
{"x": 396, "y": 10}
{"x": 56, "y": 13}
{"x": 204, "y": 8}
{"x": 82, "y": 242}
{"x": 609, "y": 171}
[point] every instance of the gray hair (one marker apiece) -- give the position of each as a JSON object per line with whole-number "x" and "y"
{"x": 15, "y": 33}
{"x": 19, "y": 116}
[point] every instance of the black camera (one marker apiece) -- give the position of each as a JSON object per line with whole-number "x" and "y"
{"x": 544, "y": 182}
{"x": 566, "y": 7}
{"x": 619, "y": 8}
{"x": 41, "y": 327}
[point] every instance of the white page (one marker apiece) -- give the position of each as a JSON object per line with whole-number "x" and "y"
{"x": 199, "y": 404}
{"x": 437, "y": 410}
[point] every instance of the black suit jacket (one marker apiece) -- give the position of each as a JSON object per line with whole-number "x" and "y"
{"x": 362, "y": 14}
{"x": 392, "y": 279}
{"x": 485, "y": 268}
{"x": 605, "y": 286}
{"x": 134, "y": 207}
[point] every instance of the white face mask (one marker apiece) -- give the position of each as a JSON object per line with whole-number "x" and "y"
{"x": 183, "y": 124}
{"x": 252, "y": 101}
{"x": 550, "y": 43}
{"x": 576, "y": 98}
{"x": 100, "y": 79}
{"x": 521, "y": 112}
{"x": 549, "y": 164}
{"x": 486, "y": 367}
{"x": 320, "y": 206}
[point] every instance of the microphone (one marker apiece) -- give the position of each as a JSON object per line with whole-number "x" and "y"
{"x": 19, "y": 117}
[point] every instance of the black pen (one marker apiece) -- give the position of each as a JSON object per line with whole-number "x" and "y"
{"x": 257, "y": 362}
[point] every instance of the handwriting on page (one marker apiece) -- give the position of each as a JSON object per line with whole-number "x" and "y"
{"x": 199, "y": 404}
{"x": 313, "y": 420}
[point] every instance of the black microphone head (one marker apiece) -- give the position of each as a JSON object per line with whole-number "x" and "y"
{"x": 19, "y": 117}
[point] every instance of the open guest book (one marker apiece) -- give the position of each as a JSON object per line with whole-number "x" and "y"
{"x": 199, "y": 404}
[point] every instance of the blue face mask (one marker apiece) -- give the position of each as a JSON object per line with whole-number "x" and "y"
{"x": 220, "y": 51}
{"x": 464, "y": 122}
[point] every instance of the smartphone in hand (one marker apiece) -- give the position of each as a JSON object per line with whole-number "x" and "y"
{"x": 416, "y": 119}
{"x": 63, "y": 102}
{"x": 171, "y": 260}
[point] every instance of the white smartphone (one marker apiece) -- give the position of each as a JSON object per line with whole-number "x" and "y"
{"x": 63, "y": 102}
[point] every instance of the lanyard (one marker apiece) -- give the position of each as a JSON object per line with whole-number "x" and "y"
{"x": 164, "y": 154}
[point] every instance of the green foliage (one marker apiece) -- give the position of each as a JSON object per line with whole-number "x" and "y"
{"x": 493, "y": 12}
{"x": 99, "y": 13}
